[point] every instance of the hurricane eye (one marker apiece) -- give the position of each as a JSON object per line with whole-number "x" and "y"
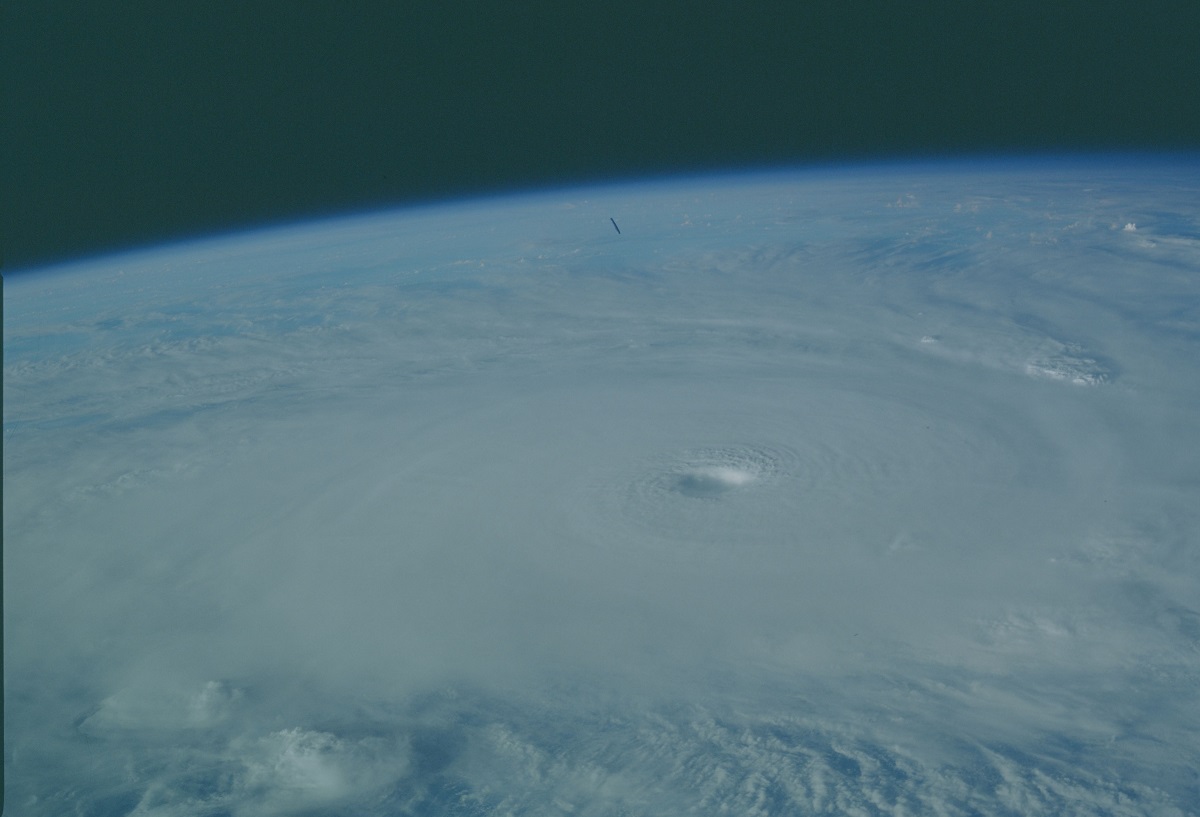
{"x": 710, "y": 483}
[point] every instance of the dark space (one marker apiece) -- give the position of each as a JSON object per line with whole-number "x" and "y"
{"x": 139, "y": 122}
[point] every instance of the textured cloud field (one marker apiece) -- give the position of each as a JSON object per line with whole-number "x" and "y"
{"x": 867, "y": 492}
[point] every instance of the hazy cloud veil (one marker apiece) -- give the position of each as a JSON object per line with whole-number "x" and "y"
{"x": 865, "y": 492}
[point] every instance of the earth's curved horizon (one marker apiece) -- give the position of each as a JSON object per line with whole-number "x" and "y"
{"x": 864, "y": 490}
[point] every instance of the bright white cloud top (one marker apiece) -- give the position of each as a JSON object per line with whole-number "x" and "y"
{"x": 868, "y": 491}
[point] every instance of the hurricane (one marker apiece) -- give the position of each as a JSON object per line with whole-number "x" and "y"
{"x": 849, "y": 491}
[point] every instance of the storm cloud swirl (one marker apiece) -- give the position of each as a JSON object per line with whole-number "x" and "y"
{"x": 856, "y": 492}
